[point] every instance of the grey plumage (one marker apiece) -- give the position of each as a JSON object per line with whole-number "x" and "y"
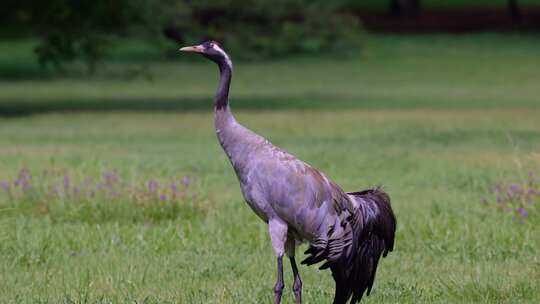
{"x": 347, "y": 231}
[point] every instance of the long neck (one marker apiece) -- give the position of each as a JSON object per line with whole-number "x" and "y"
{"x": 224, "y": 119}
{"x": 221, "y": 101}
{"x": 233, "y": 137}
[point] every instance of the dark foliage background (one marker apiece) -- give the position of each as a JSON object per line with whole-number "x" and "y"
{"x": 70, "y": 30}
{"x": 269, "y": 28}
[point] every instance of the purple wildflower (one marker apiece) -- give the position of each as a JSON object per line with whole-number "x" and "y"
{"x": 23, "y": 179}
{"x": 514, "y": 188}
{"x": 515, "y": 198}
{"x": 163, "y": 197}
{"x": 24, "y": 173}
{"x": 5, "y": 185}
{"x": 522, "y": 212}
{"x": 25, "y": 185}
{"x": 110, "y": 178}
{"x": 530, "y": 194}
{"x": 513, "y": 191}
{"x": 153, "y": 186}
{"x": 174, "y": 190}
{"x": 185, "y": 181}
{"x": 76, "y": 190}
{"x": 67, "y": 183}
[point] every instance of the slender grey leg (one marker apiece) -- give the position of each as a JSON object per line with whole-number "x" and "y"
{"x": 278, "y": 236}
{"x": 278, "y": 288}
{"x": 297, "y": 285}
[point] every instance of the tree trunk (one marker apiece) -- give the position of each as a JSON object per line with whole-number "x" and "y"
{"x": 405, "y": 8}
{"x": 513, "y": 9}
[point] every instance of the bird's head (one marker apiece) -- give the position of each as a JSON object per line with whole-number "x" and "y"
{"x": 211, "y": 50}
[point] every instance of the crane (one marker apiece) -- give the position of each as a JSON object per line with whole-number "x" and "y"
{"x": 348, "y": 232}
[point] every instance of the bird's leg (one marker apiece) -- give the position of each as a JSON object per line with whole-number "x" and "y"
{"x": 297, "y": 285}
{"x": 278, "y": 288}
{"x": 278, "y": 236}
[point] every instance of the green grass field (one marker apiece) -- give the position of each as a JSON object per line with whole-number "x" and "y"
{"x": 439, "y": 120}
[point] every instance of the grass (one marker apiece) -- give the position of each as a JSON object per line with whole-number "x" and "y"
{"x": 439, "y": 125}
{"x": 486, "y": 70}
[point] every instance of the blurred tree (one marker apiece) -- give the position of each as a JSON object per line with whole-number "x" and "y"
{"x": 513, "y": 7}
{"x": 260, "y": 28}
{"x": 70, "y": 30}
{"x": 404, "y": 8}
{"x": 82, "y": 29}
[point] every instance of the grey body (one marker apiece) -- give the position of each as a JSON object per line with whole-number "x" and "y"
{"x": 281, "y": 189}
{"x": 349, "y": 231}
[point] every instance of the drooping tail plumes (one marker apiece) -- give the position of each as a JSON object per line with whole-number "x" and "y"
{"x": 355, "y": 244}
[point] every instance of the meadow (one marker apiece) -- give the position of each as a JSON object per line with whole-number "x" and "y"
{"x": 115, "y": 190}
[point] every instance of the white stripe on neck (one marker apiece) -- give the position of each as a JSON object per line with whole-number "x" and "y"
{"x": 227, "y": 59}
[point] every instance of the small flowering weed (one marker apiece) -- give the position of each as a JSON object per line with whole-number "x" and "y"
{"x": 66, "y": 196}
{"x": 519, "y": 199}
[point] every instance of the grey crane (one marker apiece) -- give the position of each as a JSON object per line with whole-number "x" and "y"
{"x": 348, "y": 231}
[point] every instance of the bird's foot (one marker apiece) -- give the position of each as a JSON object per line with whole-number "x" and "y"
{"x": 278, "y": 291}
{"x": 297, "y": 289}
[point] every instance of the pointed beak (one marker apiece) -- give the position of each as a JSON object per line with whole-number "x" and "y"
{"x": 192, "y": 49}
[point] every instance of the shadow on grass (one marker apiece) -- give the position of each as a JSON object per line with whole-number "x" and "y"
{"x": 27, "y": 106}
{"x": 21, "y": 107}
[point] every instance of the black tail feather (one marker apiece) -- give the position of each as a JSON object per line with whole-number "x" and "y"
{"x": 354, "y": 252}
